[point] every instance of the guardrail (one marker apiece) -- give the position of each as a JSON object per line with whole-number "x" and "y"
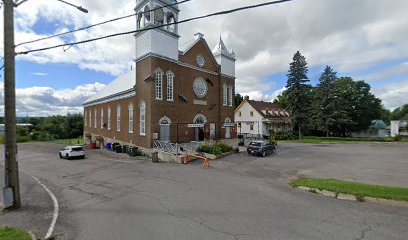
{"x": 176, "y": 148}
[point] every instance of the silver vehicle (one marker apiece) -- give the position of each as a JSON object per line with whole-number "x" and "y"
{"x": 72, "y": 152}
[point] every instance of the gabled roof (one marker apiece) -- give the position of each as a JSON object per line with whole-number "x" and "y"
{"x": 268, "y": 110}
{"x": 190, "y": 44}
{"x": 122, "y": 84}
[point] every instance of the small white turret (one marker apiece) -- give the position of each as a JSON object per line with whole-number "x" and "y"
{"x": 225, "y": 58}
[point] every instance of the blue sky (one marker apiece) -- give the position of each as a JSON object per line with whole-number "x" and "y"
{"x": 368, "y": 43}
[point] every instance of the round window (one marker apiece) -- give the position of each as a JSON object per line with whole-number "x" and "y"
{"x": 200, "y": 61}
{"x": 200, "y": 87}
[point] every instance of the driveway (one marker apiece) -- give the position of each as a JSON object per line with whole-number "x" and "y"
{"x": 111, "y": 196}
{"x": 373, "y": 163}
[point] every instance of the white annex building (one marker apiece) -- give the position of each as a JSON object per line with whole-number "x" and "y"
{"x": 259, "y": 118}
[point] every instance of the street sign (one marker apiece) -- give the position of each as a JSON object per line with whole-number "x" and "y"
{"x": 229, "y": 124}
{"x": 195, "y": 125}
{"x": 249, "y": 123}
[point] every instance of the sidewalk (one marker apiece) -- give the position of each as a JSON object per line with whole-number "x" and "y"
{"x": 35, "y": 213}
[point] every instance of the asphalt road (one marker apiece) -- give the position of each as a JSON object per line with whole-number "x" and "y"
{"x": 110, "y": 196}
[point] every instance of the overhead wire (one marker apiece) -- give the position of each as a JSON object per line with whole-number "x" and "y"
{"x": 155, "y": 27}
{"x": 100, "y": 23}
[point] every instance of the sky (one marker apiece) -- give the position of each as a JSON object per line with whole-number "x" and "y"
{"x": 364, "y": 39}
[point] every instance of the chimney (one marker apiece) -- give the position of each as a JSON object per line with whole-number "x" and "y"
{"x": 246, "y": 98}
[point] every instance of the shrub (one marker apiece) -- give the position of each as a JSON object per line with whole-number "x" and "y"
{"x": 284, "y": 136}
{"x": 398, "y": 138}
{"x": 225, "y": 148}
{"x": 21, "y": 139}
{"x": 213, "y": 149}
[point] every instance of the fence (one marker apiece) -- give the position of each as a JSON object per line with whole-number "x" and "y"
{"x": 176, "y": 148}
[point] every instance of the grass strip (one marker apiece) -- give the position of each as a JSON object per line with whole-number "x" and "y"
{"x": 357, "y": 189}
{"x": 8, "y": 233}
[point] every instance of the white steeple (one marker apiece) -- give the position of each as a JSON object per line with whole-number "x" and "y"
{"x": 225, "y": 58}
{"x": 161, "y": 41}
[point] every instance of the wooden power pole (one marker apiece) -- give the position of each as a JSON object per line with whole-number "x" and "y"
{"x": 12, "y": 185}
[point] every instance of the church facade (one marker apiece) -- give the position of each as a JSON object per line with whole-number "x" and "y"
{"x": 172, "y": 95}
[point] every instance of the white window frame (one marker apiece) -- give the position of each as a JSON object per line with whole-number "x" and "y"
{"x": 158, "y": 82}
{"x": 142, "y": 119}
{"x": 230, "y": 96}
{"x": 109, "y": 118}
{"x": 225, "y": 98}
{"x": 102, "y": 118}
{"x": 86, "y": 118}
{"x": 130, "y": 108}
{"x": 96, "y": 118}
{"x": 90, "y": 118}
{"x": 170, "y": 86}
{"x": 118, "y": 117}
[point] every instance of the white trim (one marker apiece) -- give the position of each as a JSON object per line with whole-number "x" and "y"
{"x": 170, "y": 91}
{"x": 198, "y": 116}
{"x": 118, "y": 117}
{"x": 119, "y": 96}
{"x": 142, "y": 123}
{"x": 179, "y": 63}
{"x": 165, "y": 118}
{"x": 158, "y": 90}
{"x": 131, "y": 117}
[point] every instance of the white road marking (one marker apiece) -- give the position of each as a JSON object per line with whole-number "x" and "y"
{"x": 56, "y": 206}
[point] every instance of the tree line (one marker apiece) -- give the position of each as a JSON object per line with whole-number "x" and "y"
{"x": 49, "y": 128}
{"x": 336, "y": 106}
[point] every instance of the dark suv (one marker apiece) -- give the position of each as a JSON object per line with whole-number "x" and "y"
{"x": 261, "y": 148}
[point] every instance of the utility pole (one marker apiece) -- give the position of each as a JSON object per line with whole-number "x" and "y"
{"x": 12, "y": 184}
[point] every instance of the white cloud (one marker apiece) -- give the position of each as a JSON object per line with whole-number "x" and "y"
{"x": 39, "y": 74}
{"x": 45, "y": 101}
{"x": 350, "y": 36}
{"x": 393, "y": 95}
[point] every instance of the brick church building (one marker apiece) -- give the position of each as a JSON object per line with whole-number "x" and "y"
{"x": 172, "y": 95}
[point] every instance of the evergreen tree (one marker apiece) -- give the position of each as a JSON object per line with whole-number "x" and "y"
{"x": 324, "y": 106}
{"x": 297, "y": 91}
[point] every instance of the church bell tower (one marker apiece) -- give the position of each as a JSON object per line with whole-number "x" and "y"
{"x": 160, "y": 41}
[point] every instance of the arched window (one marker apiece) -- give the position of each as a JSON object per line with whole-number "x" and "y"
{"x": 109, "y": 118}
{"x": 230, "y": 96}
{"x": 118, "y": 118}
{"x": 90, "y": 118}
{"x": 200, "y": 118}
{"x": 140, "y": 20}
{"x": 143, "y": 118}
{"x": 159, "y": 84}
{"x": 225, "y": 102}
{"x": 102, "y": 123}
{"x": 130, "y": 108}
{"x": 158, "y": 16}
{"x": 170, "y": 86}
{"x": 86, "y": 118}
{"x": 171, "y": 20}
{"x": 96, "y": 119}
{"x": 146, "y": 16}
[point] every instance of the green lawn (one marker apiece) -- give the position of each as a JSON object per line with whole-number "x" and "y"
{"x": 310, "y": 139}
{"x": 7, "y": 233}
{"x": 72, "y": 141}
{"x": 357, "y": 189}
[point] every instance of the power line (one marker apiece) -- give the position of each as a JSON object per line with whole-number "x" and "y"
{"x": 155, "y": 27}
{"x": 100, "y": 23}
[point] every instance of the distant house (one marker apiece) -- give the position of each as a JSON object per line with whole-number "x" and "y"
{"x": 2, "y": 127}
{"x": 399, "y": 127}
{"x": 259, "y": 118}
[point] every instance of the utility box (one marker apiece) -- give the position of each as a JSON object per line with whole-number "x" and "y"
{"x": 155, "y": 157}
{"x": 7, "y": 197}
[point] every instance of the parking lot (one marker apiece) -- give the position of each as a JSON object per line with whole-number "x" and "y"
{"x": 113, "y": 196}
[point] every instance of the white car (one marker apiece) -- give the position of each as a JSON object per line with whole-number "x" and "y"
{"x": 72, "y": 152}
